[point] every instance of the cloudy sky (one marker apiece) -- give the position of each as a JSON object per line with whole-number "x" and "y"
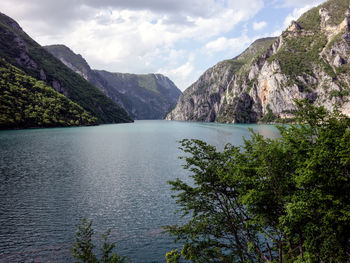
{"x": 178, "y": 38}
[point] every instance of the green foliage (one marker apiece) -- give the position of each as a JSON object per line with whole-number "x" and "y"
{"x": 256, "y": 49}
{"x": 310, "y": 20}
{"x": 173, "y": 256}
{"x": 337, "y": 9}
{"x": 83, "y": 248}
{"x": 252, "y": 53}
{"x": 300, "y": 55}
{"x": 339, "y": 93}
{"x": 343, "y": 69}
{"x": 26, "y": 102}
{"x": 269, "y": 116}
{"x": 270, "y": 200}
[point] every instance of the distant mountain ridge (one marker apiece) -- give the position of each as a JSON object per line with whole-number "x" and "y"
{"x": 143, "y": 96}
{"x": 21, "y": 51}
{"x": 311, "y": 59}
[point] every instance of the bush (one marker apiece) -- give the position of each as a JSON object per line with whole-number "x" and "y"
{"x": 269, "y": 116}
{"x": 83, "y": 248}
{"x": 270, "y": 200}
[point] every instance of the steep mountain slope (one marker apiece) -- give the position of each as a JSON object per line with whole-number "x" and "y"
{"x": 23, "y": 52}
{"x": 309, "y": 60}
{"x": 148, "y": 96}
{"x": 204, "y": 99}
{"x": 26, "y": 103}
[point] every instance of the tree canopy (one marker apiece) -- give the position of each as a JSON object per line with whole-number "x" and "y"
{"x": 83, "y": 249}
{"x": 26, "y": 103}
{"x": 270, "y": 200}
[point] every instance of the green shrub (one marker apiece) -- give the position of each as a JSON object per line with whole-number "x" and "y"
{"x": 83, "y": 247}
{"x": 270, "y": 200}
{"x": 269, "y": 116}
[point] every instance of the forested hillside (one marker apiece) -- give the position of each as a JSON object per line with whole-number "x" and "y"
{"x": 22, "y": 51}
{"x": 26, "y": 103}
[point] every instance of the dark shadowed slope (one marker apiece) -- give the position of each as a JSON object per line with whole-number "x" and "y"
{"x": 148, "y": 96}
{"x": 23, "y": 52}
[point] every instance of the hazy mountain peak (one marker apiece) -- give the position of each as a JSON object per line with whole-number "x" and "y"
{"x": 74, "y": 61}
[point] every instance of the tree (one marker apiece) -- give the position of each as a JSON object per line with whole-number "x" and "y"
{"x": 270, "y": 200}
{"x": 173, "y": 256}
{"x": 82, "y": 249}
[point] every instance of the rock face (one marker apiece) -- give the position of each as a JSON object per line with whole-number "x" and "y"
{"x": 21, "y": 51}
{"x": 149, "y": 96}
{"x": 309, "y": 60}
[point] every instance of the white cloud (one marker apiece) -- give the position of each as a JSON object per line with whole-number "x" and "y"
{"x": 133, "y": 36}
{"x": 64, "y": 13}
{"x": 298, "y": 3}
{"x": 184, "y": 74}
{"x": 139, "y": 36}
{"x": 232, "y": 45}
{"x": 259, "y": 25}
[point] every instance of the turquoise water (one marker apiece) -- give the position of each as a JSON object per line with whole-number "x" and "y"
{"x": 113, "y": 174}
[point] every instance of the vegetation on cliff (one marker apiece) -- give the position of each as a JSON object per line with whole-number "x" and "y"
{"x": 207, "y": 99}
{"x": 26, "y": 103}
{"x": 311, "y": 59}
{"x": 145, "y": 96}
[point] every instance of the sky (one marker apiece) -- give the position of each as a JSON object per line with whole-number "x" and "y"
{"x": 178, "y": 38}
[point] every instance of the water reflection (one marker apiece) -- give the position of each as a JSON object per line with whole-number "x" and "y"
{"x": 113, "y": 174}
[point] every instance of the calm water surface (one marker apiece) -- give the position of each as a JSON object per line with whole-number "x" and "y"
{"x": 113, "y": 174}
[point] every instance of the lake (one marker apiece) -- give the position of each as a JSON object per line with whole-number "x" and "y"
{"x": 115, "y": 175}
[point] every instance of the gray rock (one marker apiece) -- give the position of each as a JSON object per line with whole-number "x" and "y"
{"x": 294, "y": 26}
{"x": 248, "y": 85}
{"x": 42, "y": 75}
{"x": 338, "y": 61}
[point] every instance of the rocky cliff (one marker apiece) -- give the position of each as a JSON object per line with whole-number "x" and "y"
{"x": 149, "y": 96}
{"x": 21, "y": 51}
{"x": 309, "y": 60}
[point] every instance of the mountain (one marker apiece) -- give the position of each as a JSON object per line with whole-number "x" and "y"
{"x": 149, "y": 96}
{"x": 309, "y": 60}
{"x": 21, "y": 51}
{"x": 26, "y": 103}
